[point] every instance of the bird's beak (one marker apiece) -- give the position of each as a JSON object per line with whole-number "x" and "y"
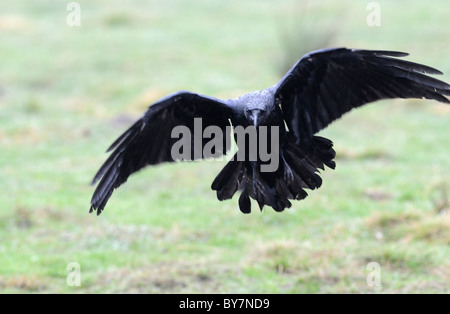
{"x": 255, "y": 115}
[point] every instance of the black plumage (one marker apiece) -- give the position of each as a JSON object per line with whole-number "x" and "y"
{"x": 320, "y": 88}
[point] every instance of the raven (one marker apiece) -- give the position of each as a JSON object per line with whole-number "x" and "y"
{"x": 317, "y": 90}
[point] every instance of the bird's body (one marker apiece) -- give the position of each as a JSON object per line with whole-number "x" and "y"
{"x": 279, "y": 155}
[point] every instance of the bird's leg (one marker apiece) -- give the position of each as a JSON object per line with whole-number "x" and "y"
{"x": 254, "y": 179}
{"x": 288, "y": 175}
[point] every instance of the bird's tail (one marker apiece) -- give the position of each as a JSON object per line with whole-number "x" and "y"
{"x": 298, "y": 170}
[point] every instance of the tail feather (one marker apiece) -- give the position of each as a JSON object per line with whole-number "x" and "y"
{"x": 244, "y": 203}
{"x": 227, "y": 181}
{"x": 298, "y": 170}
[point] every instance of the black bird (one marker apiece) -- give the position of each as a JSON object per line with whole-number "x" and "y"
{"x": 319, "y": 88}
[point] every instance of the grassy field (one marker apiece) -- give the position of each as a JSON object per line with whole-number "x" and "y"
{"x": 67, "y": 92}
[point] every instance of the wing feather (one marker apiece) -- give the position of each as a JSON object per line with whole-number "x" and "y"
{"x": 148, "y": 141}
{"x": 325, "y": 84}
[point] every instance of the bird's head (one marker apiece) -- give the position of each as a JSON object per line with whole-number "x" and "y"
{"x": 257, "y": 106}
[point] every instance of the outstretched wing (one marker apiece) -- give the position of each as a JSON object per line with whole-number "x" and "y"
{"x": 325, "y": 84}
{"x": 149, "y": 141}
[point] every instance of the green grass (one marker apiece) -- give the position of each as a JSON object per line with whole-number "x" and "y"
{"x": 67, "y": 93}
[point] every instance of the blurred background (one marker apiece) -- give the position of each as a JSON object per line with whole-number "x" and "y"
{"x": 75, "y": 75}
